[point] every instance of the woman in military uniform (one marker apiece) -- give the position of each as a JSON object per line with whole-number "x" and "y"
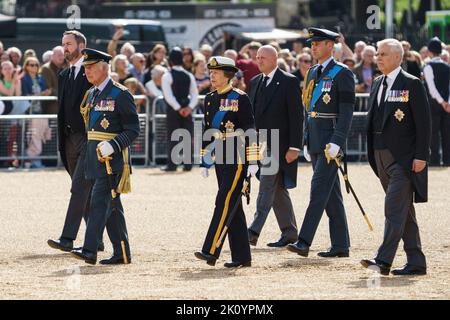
{"x": 228, "y": 114}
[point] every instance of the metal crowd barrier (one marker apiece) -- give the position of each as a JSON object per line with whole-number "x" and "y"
{"x": 151, "y": 145}
{"x": 19, "y": 133}
{"x": 356, "y": 143}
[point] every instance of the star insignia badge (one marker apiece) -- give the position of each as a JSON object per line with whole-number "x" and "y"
{"x": 104, "y": 123}
{"x": 326, "y": 98}
{"x": 399, "y": 115}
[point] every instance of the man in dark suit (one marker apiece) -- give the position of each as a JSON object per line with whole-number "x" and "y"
{"x": 398, "y": 143}
{"x": 275, "y": 96}
{"x": 329, "y": 99}
{"x": 72, "y": 86}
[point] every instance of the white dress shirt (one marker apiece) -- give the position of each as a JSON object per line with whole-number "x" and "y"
{"x": 270, "y": 75}
{"x": 102, "y": 85}
{"x": 429, "y": 79}
{"x": 77, "y": 65}
{"x": 390, "y": 81}
{"x": 166, "y": 85}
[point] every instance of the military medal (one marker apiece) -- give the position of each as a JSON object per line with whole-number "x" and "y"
{"x": 399, "y": 115}
{"x": 229, "y": 126}
{"x": 326, "y": 98}
{"x": 104, "y": 123}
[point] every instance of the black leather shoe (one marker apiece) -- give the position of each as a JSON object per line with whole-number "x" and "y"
{"x": 252, "y": 237}
{"x": 169, "y": 169}
{"x": 115, "y": 260}
{"x": 61, "y": 244}
{"x": 283, "y": 242}
{"x": 187, "y": 169}
{"x": 101, "y": 247}
{"x": 237, "y": 264}
{"x": 333, "y": 253}
{"x": 409, "y": 270}
{"x": 88, "y": 257}
{"x": 210, "y": 259}
{"x": 379, "y": 267}
{"x": 299, "y": 247}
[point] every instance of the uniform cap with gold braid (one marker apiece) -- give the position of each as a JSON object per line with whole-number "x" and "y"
{"x": 91, "y": 56}
{"x": 222, "y": 63}
{"x": 316, "y": 34}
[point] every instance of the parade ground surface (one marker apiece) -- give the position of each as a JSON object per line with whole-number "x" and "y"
{"x": 168, "y": 216}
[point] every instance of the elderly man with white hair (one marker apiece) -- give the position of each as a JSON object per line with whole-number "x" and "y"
{"x": 398, "y": 143}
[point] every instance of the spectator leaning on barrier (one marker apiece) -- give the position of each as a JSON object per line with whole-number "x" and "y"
{"x": 181, "y": 95}
{"x": 154, "y": 86}
{"x": 49, "y": 72}
{"x": 136, "y": 88}
{"x": 10, "y": 85}
{"x": 33, "y": 84}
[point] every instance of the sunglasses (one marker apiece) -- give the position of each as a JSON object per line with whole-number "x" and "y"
{"x": 33, "y": 65}
{"x": 306, "y": 61}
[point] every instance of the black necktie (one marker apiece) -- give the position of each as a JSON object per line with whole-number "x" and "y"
{"x": 72, "y": 74}
{"x": 319, "y": 72}
{"x": 95, "y": 95}
{"x": 383, "y": 93}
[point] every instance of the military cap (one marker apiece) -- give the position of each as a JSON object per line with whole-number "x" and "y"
{"x": 222, "y": 63}
{"x": 176, "y": 56}
{"x": 316, "y": 34}
{"x": 92, "y": 56}
{"x": 435, "y": 45}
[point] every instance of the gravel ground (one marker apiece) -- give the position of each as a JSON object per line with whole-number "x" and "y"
{"x": 168, "y": 216}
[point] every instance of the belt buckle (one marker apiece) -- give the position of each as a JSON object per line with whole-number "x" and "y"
{"x": 313, "y": 114}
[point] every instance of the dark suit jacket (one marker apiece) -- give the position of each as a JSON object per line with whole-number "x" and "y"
{"x": 409, "y": 138}
{"x": 282, "y": 110}
{"x": 81, "y": 85}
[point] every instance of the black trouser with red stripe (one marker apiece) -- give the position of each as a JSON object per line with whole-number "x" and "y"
{"x": 230, "y": 178}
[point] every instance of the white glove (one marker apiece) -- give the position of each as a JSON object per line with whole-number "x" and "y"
{"x": 252, "y": 170}
{"x": 106, "y": 149}
{"x": 334, "y": 150}
{"x": 204, "y": 172}
{"x": 306, "y": 153}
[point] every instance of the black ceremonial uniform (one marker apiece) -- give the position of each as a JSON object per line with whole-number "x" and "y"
{"x": 230, "y": 113}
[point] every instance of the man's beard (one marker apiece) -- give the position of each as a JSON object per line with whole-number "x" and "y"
{"x": 70, "y": 56}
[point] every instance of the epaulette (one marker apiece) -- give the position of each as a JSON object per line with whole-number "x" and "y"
{"x": 120, "y": 86}
{"x": 342, "y": 65}
{"x": 239, "y": 91}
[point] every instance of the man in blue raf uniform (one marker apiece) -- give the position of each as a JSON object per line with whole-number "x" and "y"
{"x": 329, "y": 97}
{"x": 112, "y": 124}
{"x": 228, "y": 114}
